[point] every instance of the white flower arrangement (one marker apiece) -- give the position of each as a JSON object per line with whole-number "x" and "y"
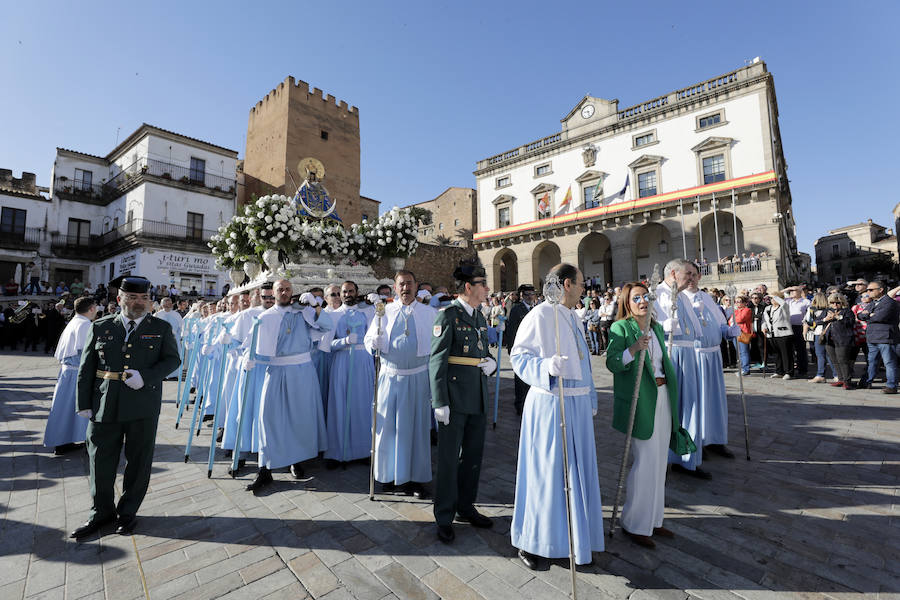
{"x": 273, "y": 223}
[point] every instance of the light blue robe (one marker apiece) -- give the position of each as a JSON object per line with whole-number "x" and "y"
{"x": 322, "y": 361}
{"x": 64, "y": 426}
{"x": 350, "y": 389}
{"x": 713, "y": 397}
{"x": 176, "y": 322}
{"x": 539, "y": 517}
{"x": 403, "y": 420}
{"x": 291, "y": 424}
{"x": 241, "y": 332}
{"x": 684, "y": 359}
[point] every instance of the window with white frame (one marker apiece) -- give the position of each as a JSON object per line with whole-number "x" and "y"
{"x": 503, "y": 216}
{"x": 640, "y": 140}
{"x": 647, "y": 184}
{"x": 541, "y": 170}
{"x": 83, "y": 180}
{"x": 714, "y": 168}
{"x": 588, "y": 192}
{"x": 501, "y": 182}
{"x": 711, "y": 120}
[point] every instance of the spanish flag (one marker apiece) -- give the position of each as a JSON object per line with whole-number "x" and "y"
{"x": 544, "y": 204}
{"x": 566, "y": 203}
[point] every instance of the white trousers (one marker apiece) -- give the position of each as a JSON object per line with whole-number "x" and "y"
{"x": 645, "y": 498}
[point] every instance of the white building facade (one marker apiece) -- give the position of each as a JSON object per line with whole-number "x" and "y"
{"x": 149, "y": 207}
{"x": 696, "y": 173}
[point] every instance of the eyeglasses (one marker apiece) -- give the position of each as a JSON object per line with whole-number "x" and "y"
{"x": 638, "y": 298}
{"x": 834, "y": 303}
{"x": 872, "y": 289}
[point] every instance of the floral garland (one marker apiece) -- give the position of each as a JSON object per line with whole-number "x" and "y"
{"x": 273, "y": 223}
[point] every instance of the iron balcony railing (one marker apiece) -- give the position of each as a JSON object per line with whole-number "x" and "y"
{"x": 80, "y": 189}
{"x": 136, "y": 229}
{"x": 164, "y": 170}
{"x": 25, "y": 238}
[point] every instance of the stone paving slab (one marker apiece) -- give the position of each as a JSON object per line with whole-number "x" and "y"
{"x": 815, "y": 513}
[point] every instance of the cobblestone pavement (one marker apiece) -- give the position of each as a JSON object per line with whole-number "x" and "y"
{"x": 815, "y": 513}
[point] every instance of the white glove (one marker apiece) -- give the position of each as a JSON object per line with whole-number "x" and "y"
{"x": 207, "y": 349}
{"x": 87, "y": 413}
{"x": 319, "y": 301}
{"x": 373, "y": 298}
{"x": 351, "y": 339}
{"x": 594, "y": 412}
{"x": 381, "y": 341}
{"x": 226, "y": 338}
{"x": 423, "y": 294}
{"x": 307, "y": 298}
{"x": 488, "y": 366}
{"x": 442, "y": 415}
{"x": 248, "y": 365}
{"x": 135, "y": 382}
{"x": 555, "y": 364}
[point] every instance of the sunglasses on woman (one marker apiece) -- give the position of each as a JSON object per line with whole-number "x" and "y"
{"x": 637, "y": 298}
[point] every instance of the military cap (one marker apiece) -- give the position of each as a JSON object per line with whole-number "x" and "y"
{"x": 131, "y": 283}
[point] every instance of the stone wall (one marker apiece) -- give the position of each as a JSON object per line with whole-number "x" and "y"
{"x": 454, "y": 204}
{"x": 434, "y": 264}
{"x": 27, "y": 183}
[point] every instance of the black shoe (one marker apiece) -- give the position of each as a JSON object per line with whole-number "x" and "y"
{"x": 698, "y": 472}
{"x": 297, "y": 471}
{"x": 125, "y": 525}
{"x": 720, "y": 449}
{"x": 208, "y": 418}
{"x": 418, "y": 491}
{"x": 476, "y": 519}
{"x": 263, "y": 478}
{"x": 240, "y": 466}
{"x": 229, "y": 453}
{"x": 387, "y": 488}
{"x": 433, "y": 437}
{"x": 532, "y": 561}
{"x": 219, "y": 434}
{"x": 66, "y": 448}
{"x": 862, "y": 385}
{"x": 89, "y": 527}
{"x": 332, "y": 464}
{"x": 445, "y": 533}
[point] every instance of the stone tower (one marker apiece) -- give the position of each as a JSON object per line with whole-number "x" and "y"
{"x": 292, "y": 123}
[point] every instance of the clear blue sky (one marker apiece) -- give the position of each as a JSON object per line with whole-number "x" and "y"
{"x": 441, "y": 85}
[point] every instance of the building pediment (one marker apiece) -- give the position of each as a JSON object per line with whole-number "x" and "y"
{"x": 646, "y": 160}
{"x": 713, "y": 143}
{"x": 591, "y": 175}
{"x": 543, "y": 188}
{"x": 503, "y": 199}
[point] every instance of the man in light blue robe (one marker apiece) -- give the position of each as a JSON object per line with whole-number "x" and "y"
{"x": 687, "y": 337}
{"x": 538, "y": 527}
{"x": 252, "y": 378}
{"x": 66, "y": 430}
{"x": 713, "y": 397}
{"x": 291, "y": 424}
{"x": 351, "y": 383}
{"x": 170, "y": 316}
{"x": 213, "y": 356}
{"x": 403, "y": 418}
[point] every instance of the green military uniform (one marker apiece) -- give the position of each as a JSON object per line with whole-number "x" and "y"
{"x": 121, "y": 414}
{"x": 464, "y": 388}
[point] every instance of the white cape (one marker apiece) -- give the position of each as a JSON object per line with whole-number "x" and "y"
{"x": 537, "y": 335}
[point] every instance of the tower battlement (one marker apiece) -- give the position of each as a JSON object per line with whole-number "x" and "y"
{"x": 299, "y": 87}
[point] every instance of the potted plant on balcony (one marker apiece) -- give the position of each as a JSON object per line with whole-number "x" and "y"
{"x": 166, "y": 175}
{"x": 185, "y": 179}
{"x": 144, "y": 169}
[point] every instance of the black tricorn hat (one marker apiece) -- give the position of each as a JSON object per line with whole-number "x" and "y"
{"x": 525, "y": 287}
{"x": 131, "y": 283}
{"x": 469, "y": 269}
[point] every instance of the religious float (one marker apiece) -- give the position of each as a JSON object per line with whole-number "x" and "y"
{"x": 303, "y": 240}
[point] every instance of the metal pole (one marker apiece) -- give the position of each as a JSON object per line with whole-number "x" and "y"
{"x": 565, "y": 451}
{"x": 379, "y": 314}
{"x": 731, "y": 291}
{"x": 700, "y": 227}
{"x": 716, "y": 223}
{"x": 683, "y": 235}
{"x": 192, "y": 363}
{"x": 215, "y": 427}
{"x": 500, "y": 318}
{"x": 734, "y": 223}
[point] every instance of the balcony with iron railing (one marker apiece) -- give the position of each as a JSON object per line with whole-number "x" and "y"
{"x": 159, "y": 171}
{"x": 24, "y": 238}
{"x": 130, "y": 234}
{"x": 80, "y": 191}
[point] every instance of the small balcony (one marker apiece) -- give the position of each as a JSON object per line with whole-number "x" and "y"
{"x": 28, "y": 238}
{"x": 145, "y": 169}
{"x": 751, "y": 273}
{"x": 79, "y": 191}
{"x": 133, "y": 233}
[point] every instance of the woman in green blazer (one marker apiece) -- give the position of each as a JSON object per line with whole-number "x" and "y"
{"x": 656, "y": 428}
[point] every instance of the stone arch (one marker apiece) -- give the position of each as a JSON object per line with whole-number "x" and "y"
{"x": 726, "y": 237}
{"x": 545, "y": 256}
{"x": 653, "y": 246}
{"x": 506, "y": 271}
{"x": 595, "y": 258}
